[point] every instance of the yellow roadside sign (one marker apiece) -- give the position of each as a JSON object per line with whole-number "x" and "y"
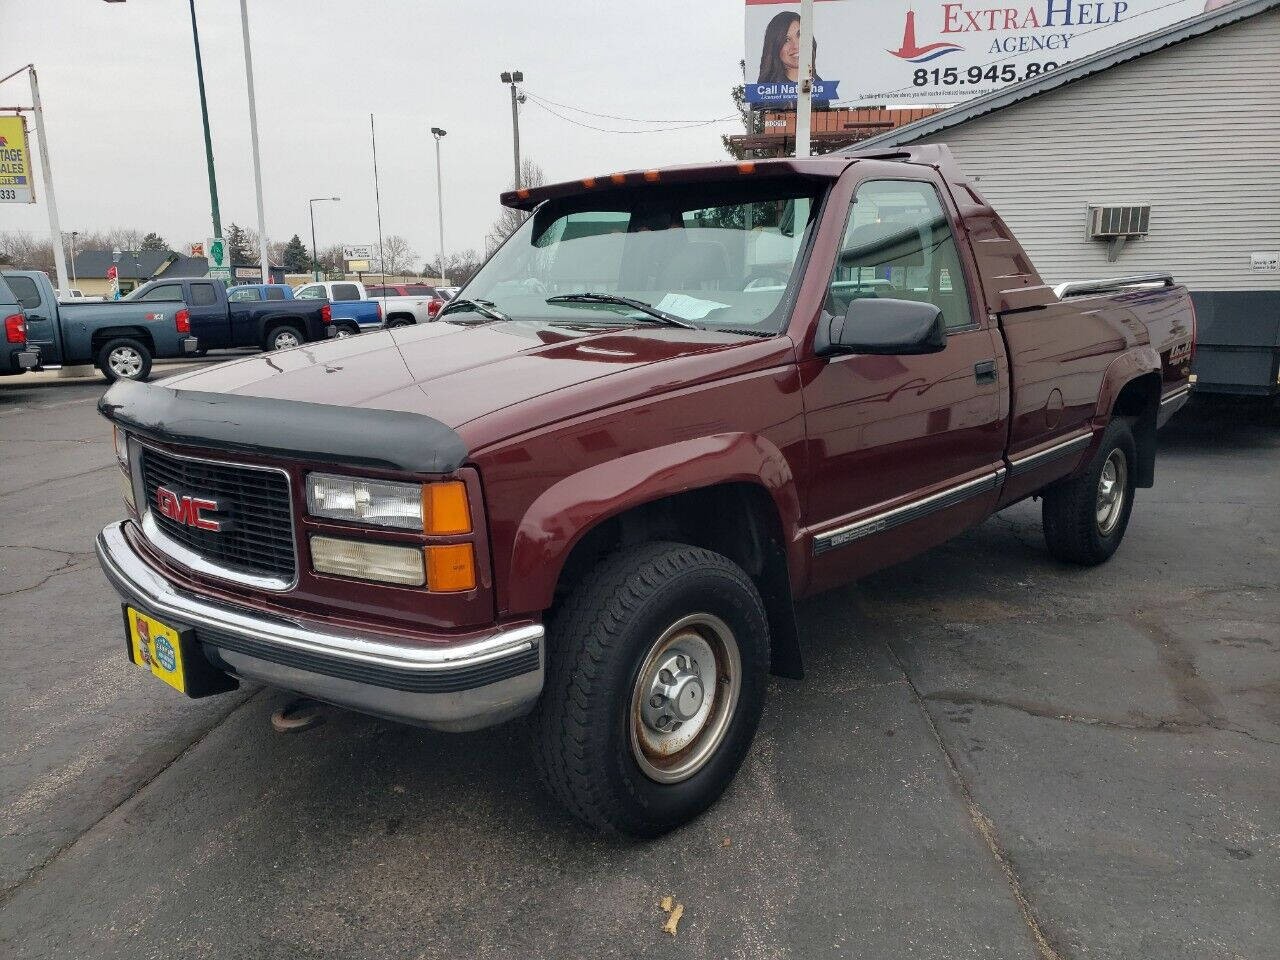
{"x": 17, "y": 184}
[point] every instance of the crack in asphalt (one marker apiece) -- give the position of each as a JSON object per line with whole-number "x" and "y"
{"x": 981, "y": 822}
{"x": 42, "y": 483}
{"x": 10, "y": 891}
{"x": 1046, "y": 711}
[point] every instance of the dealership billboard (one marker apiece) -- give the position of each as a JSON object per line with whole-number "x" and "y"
{"x": 16, "y": 182}
{"x": 900, "y": 53}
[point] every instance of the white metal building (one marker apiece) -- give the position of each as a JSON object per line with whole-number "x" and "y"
{"x": 1185, "y": 121}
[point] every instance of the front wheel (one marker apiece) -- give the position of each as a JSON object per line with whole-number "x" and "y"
{"x": 1085, "y": 518}
{"x": 124, "y": 359}
{"x": 658, "y": 663}
{"x": 282, "y": 338}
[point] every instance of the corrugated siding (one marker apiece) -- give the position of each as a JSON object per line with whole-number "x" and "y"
{"x": 1193, "y": 130}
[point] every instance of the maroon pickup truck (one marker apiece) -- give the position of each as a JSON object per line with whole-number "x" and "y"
{"x": 672, "y": 404}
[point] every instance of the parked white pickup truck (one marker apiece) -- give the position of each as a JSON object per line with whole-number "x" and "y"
{"x": 344, "y": 295}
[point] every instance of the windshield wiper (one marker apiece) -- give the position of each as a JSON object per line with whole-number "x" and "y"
{"x": 484, "y": 307}
{"x": 652, "y": 312}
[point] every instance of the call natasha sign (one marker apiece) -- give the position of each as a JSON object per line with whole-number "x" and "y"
{"x": 898, "y": 53}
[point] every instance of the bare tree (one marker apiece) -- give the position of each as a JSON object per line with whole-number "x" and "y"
{"x": 397, "y": 255}
{"x": 458, "y": 267}
{"x": 509, "y": 220}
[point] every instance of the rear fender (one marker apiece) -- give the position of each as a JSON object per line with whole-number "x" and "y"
{"x": 1133, "y": 363}
{"x": 1139, "y": 363}
{"x": 566, "y": 511}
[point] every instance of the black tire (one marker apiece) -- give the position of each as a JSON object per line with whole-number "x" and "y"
{"x": 607, "y": 630}
{"x": 124, "y": 358}
{"x": 347, "y": 329}
{"x": 282, "y": 338}
{"x": 1073, "y": 529}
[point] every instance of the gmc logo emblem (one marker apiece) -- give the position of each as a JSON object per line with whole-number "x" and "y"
{"x": 187, "y": 510}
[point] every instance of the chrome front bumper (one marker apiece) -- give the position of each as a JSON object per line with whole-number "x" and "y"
{"x": 463, "y": 686}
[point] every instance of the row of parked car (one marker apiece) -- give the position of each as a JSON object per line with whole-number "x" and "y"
{"x": 189, "y": 317}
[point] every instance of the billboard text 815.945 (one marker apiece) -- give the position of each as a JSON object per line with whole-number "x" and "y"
{"x": 900, "y": 53}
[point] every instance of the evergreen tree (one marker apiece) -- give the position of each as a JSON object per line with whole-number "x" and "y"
{"x": 296, "y": 259}
{"x": 237, "y": 242}
{"x": 153, "y": 241}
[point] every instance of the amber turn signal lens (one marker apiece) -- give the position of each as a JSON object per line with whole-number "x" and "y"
{"x": 451, "y": 568}
{"x": 445, "y": 509}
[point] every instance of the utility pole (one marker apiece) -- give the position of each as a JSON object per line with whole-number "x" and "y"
{"x": 804, "y": 80}
{"x": 511, "y": 78}
{"x": 315, "y": 254}
{"x": 204, "y": 116}
{"x": 439, "y": 135}
{"x": 253, "y": 136}
{"x": 74, "y": 234}
{"x": 59, "y": 258}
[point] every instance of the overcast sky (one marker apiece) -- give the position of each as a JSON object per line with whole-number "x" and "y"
{"x": 119, "y": 90}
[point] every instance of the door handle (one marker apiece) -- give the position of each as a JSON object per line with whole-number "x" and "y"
{"x": 985, "y": 372}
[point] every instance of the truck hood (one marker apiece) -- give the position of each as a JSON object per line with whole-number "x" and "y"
{"x": 454, "y": 373}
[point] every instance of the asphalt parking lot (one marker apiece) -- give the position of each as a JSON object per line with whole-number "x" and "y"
{"x": 993, "y": 756}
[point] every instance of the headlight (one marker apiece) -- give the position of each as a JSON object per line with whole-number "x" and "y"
{"x": 121, "y": 440}
{"x": 368, "y": 561}
{"x": 375, "y": 502}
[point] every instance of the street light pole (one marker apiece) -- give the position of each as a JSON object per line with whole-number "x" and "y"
{"x": 439, "y": 135}
{"x": 253, "y": 136}
{"x": 315, "y": 254}
{"x": 204, "y": 116}
{"x": 74, "y": 234}
{"x": 511, "y": 78}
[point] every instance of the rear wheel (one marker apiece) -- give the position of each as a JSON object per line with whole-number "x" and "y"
{"x": 657, "y": 669}
{"x": 282, "y": 338}
{"x": 1085, "y": 518}
{"x": 124, "y": 358}
{"x": 347, "y": 330}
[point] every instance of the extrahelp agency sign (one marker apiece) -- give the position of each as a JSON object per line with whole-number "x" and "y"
{"x": 934, "y": 52}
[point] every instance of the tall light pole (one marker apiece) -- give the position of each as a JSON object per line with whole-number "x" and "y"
{"x": 315, "y": 254}
{"x": 511, "y": 78}
{"x": 74, "y": 234}
{"x": 439, "y": 135}
{"x": 204, "y": 116}
{"x": 253, "y": 136}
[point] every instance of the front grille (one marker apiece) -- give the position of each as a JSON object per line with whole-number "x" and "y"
{"x": 253, "y": 510}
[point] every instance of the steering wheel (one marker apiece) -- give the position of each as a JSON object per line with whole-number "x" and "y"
{"x": 766, "y": 278}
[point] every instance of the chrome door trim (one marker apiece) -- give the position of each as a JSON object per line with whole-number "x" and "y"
{"x": 1021, "y": 465}
{"x": 886, "y": 520}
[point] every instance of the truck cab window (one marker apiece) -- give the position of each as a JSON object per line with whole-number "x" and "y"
{"x": 346, "y": 291}
{"x": 24, "y": 288}
{"x": 311, "y": 292}
{"x": 202, "y": 295}
{"x": 275, "y": 293}
{"x": 165, "y": 291}
{"x": 240, "y": 296}
{"x": 898, "y": 243}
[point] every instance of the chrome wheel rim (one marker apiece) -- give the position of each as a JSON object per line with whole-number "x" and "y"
{"x": 345, "y": 332}
{"x": 684, "y": 698}
{"x": 286, "y": 340}
{"x": 1112, "y": 489}
{"x": 125, "y": 362}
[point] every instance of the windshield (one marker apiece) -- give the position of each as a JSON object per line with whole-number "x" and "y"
{"x": 720, "y": 257}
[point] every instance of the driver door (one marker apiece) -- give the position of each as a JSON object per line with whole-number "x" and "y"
{"x": 905, "y": 451}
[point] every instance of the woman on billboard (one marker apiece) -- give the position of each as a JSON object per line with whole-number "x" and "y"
{"x": 780, "y": 52}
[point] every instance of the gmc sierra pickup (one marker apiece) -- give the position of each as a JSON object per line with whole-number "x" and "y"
{"x": 673, "y": 403}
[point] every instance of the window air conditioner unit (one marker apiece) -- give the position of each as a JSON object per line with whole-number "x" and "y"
{"x": 1117, "y": 225}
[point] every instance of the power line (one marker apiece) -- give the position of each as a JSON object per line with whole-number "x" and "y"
{"x": 1014, "y": 56}
{"x": 590, "y": 126}
{"x": 610, "y": 116}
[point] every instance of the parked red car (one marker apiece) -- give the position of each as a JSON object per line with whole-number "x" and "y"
{"x": 673, "y": 403}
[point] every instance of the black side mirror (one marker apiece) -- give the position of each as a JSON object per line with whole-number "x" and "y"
{"x": 884, "y": 326}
